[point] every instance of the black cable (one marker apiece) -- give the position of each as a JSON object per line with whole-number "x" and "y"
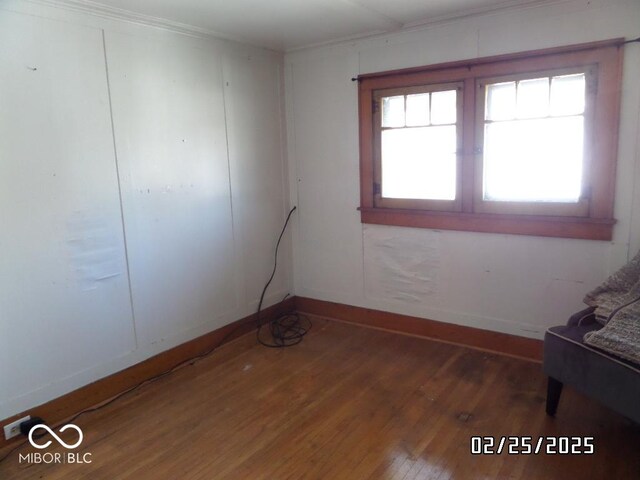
{"x": 288, "y": 329}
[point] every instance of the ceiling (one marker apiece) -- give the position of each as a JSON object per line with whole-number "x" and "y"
{"x": 291, "y": 24}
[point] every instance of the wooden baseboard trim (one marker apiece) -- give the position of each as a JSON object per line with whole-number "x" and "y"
{"x": 496, "y": 342}
{"x": 101, "y": 390}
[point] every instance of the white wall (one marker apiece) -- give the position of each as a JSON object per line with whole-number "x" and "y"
{"x": 142, "y": 189}
{"x": 143, "y": 183}
{"x": 508, "y": 283}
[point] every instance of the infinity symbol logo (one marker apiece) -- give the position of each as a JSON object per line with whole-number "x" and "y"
{"x": 60, "y": 441}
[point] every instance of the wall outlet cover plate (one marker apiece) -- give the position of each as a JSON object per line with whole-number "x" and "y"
{"x": 13, "y": 429}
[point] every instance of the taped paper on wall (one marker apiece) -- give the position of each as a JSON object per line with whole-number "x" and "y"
{"x": 93, "y": 249}
{"x": 401, "y": 263}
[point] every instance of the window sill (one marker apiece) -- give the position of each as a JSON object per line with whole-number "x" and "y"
{"x": 534, "y": 225}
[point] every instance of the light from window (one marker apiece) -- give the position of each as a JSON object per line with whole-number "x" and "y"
{"x": 418, "y": 146}
{"x": 533, "y": 140}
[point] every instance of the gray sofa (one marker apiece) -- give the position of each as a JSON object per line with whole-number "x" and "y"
{"x": 567, "y": 360}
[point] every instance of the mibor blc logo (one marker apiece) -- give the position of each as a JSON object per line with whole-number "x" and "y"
{"x": 55, "y": 457}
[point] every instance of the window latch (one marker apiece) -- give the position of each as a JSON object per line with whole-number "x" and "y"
{"x": 376, "y": 188}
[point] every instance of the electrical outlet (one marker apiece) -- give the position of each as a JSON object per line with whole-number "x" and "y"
{"x": 13, "y": 429}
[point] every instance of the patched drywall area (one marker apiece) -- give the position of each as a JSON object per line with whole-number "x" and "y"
{"x": 401, "y": 265}
{"x": 94, "y": 249}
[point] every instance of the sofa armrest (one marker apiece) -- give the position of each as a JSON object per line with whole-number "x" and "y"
{"x": 582, "y": 317}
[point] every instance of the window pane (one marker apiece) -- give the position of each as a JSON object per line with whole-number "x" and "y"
{"x": 568, "y": 94}
{"x": 501, "y": 101}
{"x": 418, "y": 109}
{"x": 534, "y": 160}
{"x": 443, "y": 107}
{"x": 393, "y": 111}
{"x": 419, "y": 163}
{"x": 533, "y": 98}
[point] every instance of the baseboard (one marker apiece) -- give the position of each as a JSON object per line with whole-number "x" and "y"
{"x": 97, "y": 392}
{"x": 502, "y": 343}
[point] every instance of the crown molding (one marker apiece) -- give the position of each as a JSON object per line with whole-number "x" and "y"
{"x": 119, "y": 14}
{"x": 505, "y": 6}
{"x": 418, "y": 25}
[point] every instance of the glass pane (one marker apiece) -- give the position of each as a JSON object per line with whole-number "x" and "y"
{"x": 419, "y": 163}
{"x": 534, "y": 160}
{"x": 418, "y": 110}
{"x": 501, "y": 101}
{"x": 393, "y": 111}
{"x": 533, "y": 98}
{"x": 568, "y": 94}
{"x": 443, "y": 107}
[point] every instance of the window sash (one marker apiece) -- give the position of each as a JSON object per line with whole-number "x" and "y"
{"x": 411, "y": 203}
{"x": 578, "y": 209}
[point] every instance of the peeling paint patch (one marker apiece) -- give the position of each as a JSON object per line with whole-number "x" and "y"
{"x": 401, "y": 264}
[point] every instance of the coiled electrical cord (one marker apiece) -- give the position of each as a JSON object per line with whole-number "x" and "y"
{"x": 288, "y": 329}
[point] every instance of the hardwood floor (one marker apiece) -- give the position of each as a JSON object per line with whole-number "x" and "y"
{"x": 347, "y": 403}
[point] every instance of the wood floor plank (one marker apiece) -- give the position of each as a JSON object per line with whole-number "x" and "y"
{"x": 347, "y": 403}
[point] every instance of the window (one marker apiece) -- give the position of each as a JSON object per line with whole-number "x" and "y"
{"x": 414, "y": 124}
{"x": 522, "y": 144}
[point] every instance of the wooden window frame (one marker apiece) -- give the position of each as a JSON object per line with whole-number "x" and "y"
{"x": 593, "y": 218}
{"x": 381, "y": 202}
{"x": 578, "y": 209}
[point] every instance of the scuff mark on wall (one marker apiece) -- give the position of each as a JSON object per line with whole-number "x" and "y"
{"x": 94, "y": 249}
{"x": 581, "y": 282}
{"x": 401, "y": 264}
